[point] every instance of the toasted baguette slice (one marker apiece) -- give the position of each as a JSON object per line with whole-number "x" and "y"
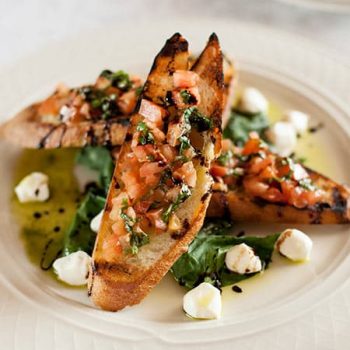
{"x": 332, "y": 208}
{"x": 117, "y": 280}
{"x": 76, "y": 117}
{"x": 31, "y": 129}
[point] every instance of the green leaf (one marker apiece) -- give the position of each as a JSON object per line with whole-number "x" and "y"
{"x": 79, "y": 235}
{"x": 100, "y": 160}
{"x": 240, "y": 125}
{"x": 194, "y": 117}
{"x": 205, "y": 258}
{"x": 119, "y": 79}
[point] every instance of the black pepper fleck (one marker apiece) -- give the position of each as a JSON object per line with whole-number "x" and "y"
{"x": 61, "y": 210}
{"x": 57, "y": 229}
{"x": 237, "y": 289}
{"x": 37, "y": 215}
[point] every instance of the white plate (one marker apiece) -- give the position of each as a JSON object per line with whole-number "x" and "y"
{"x": 293, "y": 75}
{"x": 340, "y": 6}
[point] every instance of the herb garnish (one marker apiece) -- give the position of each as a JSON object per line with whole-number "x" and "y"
{"x": 184, "y": 144}
{"x": 119, "y": 79}
{"x": 307, "y": 184}
{"x": 185, "y": 192}
{"x": 225, "y": 158}
{"x": 194, "y": 117}
{"x": 146, "y": 136}
{"x": 186, "y": 96}
{"x": 137, "y": 238}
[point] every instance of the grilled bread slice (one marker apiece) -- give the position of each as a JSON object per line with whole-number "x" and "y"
{"x": 143, "y": 234}
{"x": 41, "y": 125}
{"x": 255, "y": 185}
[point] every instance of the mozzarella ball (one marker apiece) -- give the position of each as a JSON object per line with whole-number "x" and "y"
{"x": 295, "y": 245}
{"x": 203, "y": 302}
{"x": 73, "y": 269}
{"x": 96, "y": 222}
{"x": 242, "y": 259}
{"x": 33, "y": 188}
{"x": 299, "y": 120}
{"x": 252, "y": 101}
{"x": 284, "y": 138}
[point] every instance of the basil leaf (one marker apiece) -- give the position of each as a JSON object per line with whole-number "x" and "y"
{"x": 205, "y": 258}
{"x": 79, "y": 235}
{"x": 100, "y": 160}
{"x": 240, "y": 125}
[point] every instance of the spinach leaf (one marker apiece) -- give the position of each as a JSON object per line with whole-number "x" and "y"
{"x": 99, "y": 159}
{"x": 240, "y": 125}
{"x": 79, "y": 235}
{"x": 205, "y": 259}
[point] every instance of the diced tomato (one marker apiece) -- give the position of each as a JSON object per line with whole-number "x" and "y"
{"x": 168, "y": 152}
{"x": 268, "y": 173}
{"x": 152, "y": 112}
{"x": 111, "y": 247}
{"x": 127, "y": 102}
{"x": 257, "y": 164}
{"x": 85, "y": 110}
{"x": 174, "y": 132}
{"x": 186, "y": 173}
{"x": 50, "y": 106}
{"x": 252, "y": 146}
{"x": 226, "y": 145}
{"x": 142, "y": 206}
{"x": 255, "y": 187}
{"x": 219, "y": 170}
{"x": 273, "y": 195}
{"x": 185, "y": 79}
{"x": 155, "y": 217}
{"x": 172, "y": 194}
{"x": 158, "y": 134}
{"x": 143, "y": 153}
{"x": 151, "y": 172}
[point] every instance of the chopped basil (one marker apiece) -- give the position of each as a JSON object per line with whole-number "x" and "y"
{"x": 307, "y": 184}
{"x": 137, "y": 240}
{"x": 224, "y": 158}
{"x": 194, "y": 117}
{"x": 185, "y": 192}
{"x": 145, "y": 135}
{"x": 119, "y": 79}
{"x": 184, "y": 144}
{"x": 186, "y": 96}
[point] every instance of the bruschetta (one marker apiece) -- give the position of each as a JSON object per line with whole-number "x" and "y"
{"x": 161, "y": 185}
{"x": 253, "y": 184}
{"x": 92, "y": 115}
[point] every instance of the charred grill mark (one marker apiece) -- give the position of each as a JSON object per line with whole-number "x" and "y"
{"x": 112, "y": 267}
{"x": 107, "y": 134}
{"x": 91, "y": 138}
{"x": 340, "y": 203}
{"x": 128, "y": 137}
{"x": 205, "y": 196}
{"x": 64, "y": 130}
{"x": 93, "y": 273}
{"x": 43, "y": 141}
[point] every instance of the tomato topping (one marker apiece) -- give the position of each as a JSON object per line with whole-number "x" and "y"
{"x": 219, "y": 171}
{"x": 152, "y": 112}
{"x": 151, "y": 172}
{"x": 127, "y": 102}
{"x": 155, "y": 216}
{"x": 186, "y": 173}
